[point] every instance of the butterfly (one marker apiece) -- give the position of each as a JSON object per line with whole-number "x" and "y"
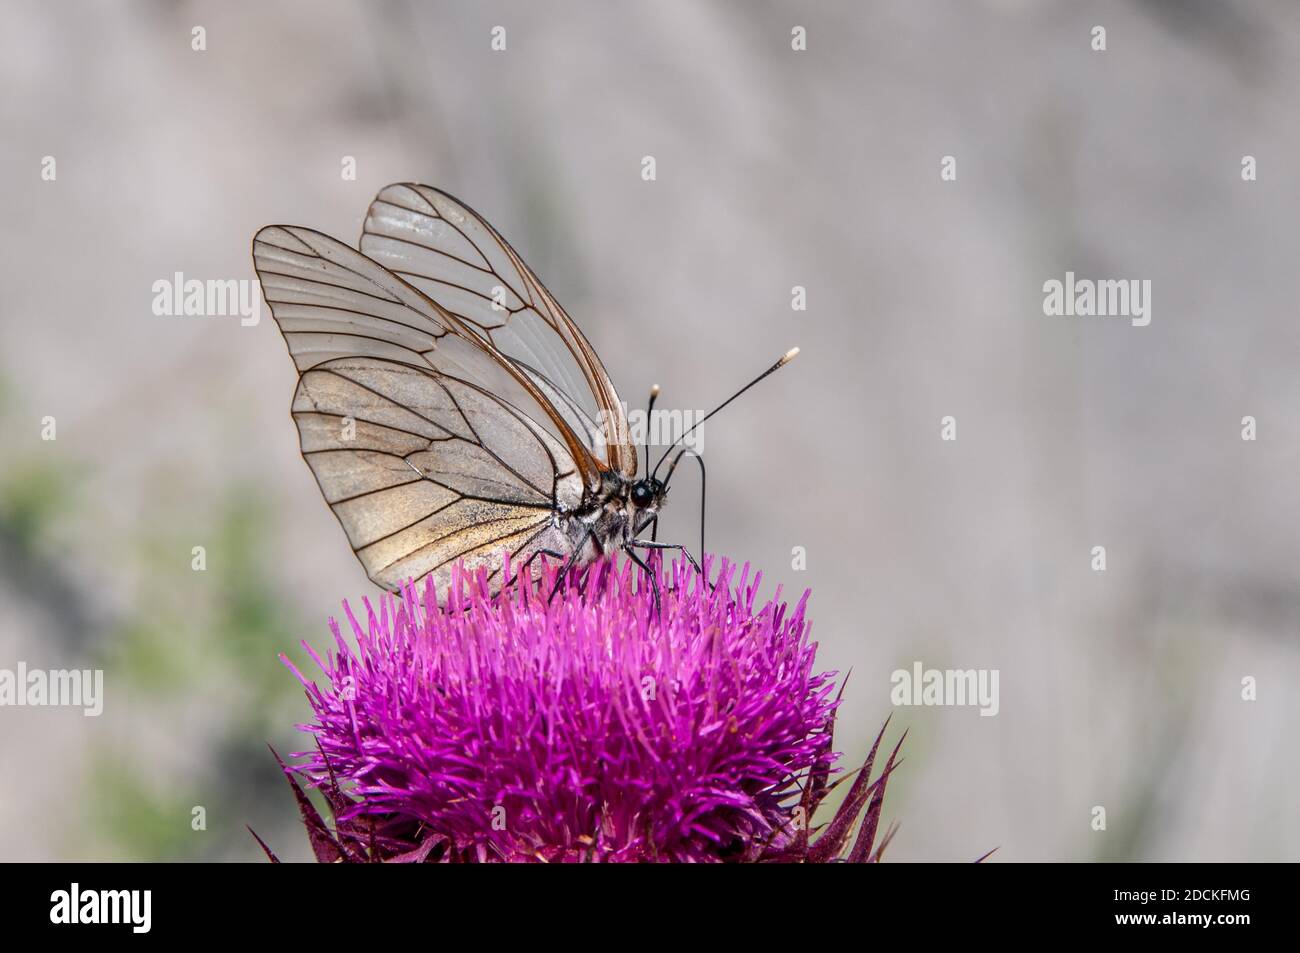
{"x": 449, "y": 408}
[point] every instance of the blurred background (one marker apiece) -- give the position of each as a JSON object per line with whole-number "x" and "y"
{"x": 775, "y": 168}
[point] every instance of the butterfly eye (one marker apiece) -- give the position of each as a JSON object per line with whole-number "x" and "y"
{"x": 641, "y": 494}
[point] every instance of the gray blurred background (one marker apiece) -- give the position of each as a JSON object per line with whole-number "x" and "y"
{"x": 775, "y": 168}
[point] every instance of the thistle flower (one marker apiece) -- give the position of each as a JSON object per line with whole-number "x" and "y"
{"x": 581, "y": 728}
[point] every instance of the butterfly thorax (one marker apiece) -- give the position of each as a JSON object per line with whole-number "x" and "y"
{"x": 612, "y": 514}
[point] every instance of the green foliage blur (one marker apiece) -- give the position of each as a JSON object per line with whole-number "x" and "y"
{"x": 191, "y": 656}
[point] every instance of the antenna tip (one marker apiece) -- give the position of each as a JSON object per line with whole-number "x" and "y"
{"x": 654, "y": 390}
{"x": 789, "y": 356}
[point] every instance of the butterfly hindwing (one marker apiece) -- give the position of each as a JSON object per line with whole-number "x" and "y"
{"x": 421, "y": 468}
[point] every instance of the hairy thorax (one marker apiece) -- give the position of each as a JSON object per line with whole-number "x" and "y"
{"x": 606, "y": 520}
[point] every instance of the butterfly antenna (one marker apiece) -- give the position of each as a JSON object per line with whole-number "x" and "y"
{"x": 786, "y": 358}
{"x": 649, "y": 409}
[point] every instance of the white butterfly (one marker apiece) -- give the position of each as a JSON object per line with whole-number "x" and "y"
{"x": 448, "y": 406}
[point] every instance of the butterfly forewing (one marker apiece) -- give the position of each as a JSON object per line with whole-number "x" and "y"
{"x": 444, "y": 248}
{"x": 429, "y": 444}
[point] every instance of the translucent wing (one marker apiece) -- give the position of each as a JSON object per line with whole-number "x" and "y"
{"x": 425, "y": 440}
{"x": 423, "y": 469}
{"x": 331, "y": 301}
{"x": 448, "y": 251}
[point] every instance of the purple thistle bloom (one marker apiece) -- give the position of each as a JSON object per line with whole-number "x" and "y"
{"x": 517, "y": 728}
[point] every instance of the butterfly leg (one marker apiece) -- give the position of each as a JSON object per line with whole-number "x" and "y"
{"x": 645, "y": 567}
{"x": 651, "y": 544}
{"x": 668, "y": 477}
{"x": 529, "y": 561}
{"x": 568, "y": 564}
